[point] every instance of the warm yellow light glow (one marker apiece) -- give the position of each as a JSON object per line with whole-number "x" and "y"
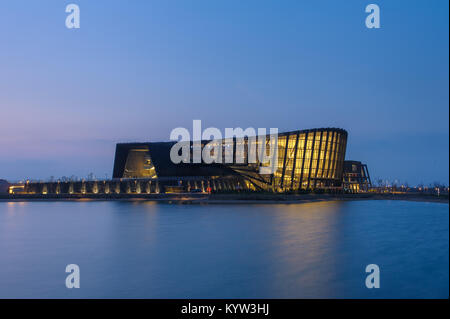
{"x": 12, "y": 189}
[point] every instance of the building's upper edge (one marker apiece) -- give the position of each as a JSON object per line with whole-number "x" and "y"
{"x": 328, "y": 129}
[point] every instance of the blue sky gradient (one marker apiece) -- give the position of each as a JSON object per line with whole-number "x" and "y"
{"x": 137, "y": 69}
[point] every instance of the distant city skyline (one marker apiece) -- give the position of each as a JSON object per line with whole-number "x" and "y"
{"x": 135, "y": 71}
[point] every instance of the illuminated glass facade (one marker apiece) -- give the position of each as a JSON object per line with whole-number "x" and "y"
{"x": 139, "y": 164}
{"x": 307, "y": 159}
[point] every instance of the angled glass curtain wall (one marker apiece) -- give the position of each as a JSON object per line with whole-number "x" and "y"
{"x": 307, "y": 160}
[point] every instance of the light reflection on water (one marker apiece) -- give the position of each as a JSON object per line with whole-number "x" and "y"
{"x": 151, "y": 250}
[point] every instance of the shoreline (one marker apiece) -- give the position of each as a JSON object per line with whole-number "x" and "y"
{"x": 189, "y": 198}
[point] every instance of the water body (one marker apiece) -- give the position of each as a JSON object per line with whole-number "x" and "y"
{"x": 154, "y": 250}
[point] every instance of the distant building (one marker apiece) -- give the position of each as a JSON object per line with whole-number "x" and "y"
{"x": 4, "y": 186}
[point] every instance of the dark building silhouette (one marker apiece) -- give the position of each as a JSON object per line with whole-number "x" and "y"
{"x": 4, "y": 186}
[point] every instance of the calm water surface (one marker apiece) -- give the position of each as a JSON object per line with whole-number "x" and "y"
{"x": 151, "y": 250}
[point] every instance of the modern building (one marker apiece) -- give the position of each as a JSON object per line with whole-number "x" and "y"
{"x": 306, "y": 159}
{"x": 356, "y": 177}
{"x": 4, "y": 186}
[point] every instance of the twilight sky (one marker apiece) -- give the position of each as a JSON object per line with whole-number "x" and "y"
{"x": 137, "y": 69}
